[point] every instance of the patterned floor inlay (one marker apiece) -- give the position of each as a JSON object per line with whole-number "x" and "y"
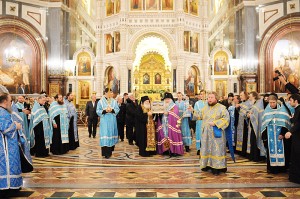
{"x": 231, "y": 195}
{"x": 83, "y": 173}
{"x": 272, "y": 194}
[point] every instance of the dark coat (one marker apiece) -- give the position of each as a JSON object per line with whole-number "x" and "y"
{"x": 294, "y": 173}
{"x": 130, "y": 111}
{"x": 90, "y": 111}
{"x": 122, "y": 114}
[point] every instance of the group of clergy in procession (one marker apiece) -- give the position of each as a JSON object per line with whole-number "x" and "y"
{"x": 33, "y": 129}
{"x": 260, "y": 129}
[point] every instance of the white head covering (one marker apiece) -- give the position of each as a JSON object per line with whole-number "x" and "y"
{"x": 3, "y": 90}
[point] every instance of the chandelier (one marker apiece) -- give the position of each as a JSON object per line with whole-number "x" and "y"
{"x": 14, "y": 55}
{"x": 291, "y": 53}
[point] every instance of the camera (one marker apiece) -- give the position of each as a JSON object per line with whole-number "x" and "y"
{"x": 278, "y": 73}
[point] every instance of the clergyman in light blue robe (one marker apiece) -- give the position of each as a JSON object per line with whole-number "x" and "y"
{"x": 40, "y": 129}
{"x": 107, "y": 109}
{"x": 197, "y": 109}
{"x": 275, "y": 122}
{"x": 59, "y": 116}
{"x": 20, "y": 106}
{"x": 185, "y": 128}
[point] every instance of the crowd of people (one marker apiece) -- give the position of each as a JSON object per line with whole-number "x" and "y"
{"x": 257, "y": 127}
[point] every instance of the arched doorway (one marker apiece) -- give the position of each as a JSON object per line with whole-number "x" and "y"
{"x": 19, "y": 36}
{"x": 152, "y": 68}
{"x": 279, "y": 50}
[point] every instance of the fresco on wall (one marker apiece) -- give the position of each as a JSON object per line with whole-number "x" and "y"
{"x": 286, "y": 60}
{"x": 190, "y": 82}
{"x": 118, "y": 6}
{"x": 186, "y": 6}
{"x": 109, "y": 7}
{"x": 84, "y": 64}
{"x": 108, "y": 43}
{"x": 167, "y": 4}
{"x": 194, "y": 43}
{"x": 136, "y": 5}
{"x": 194, "y": 7}
{"x": 186, "y": 40}
{"x": 84, "y": 89}
{"x": 12, "y": 74}
{"x": 220, "y": 63}
{"x": 117, "y": 41}
{"x": 151, "y": 4}
{"x": 112, "y": 82}
{"x": 221, "y": 87}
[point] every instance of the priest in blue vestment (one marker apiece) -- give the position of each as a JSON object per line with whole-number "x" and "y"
{"x": 275, "y": 124}
{"x": 72, "y": 115}
{"x": 197, "y": 109}
{"x": 242, "y": 127}
{"x": 10, "y": 164}
{"x": 24, "y": 111}
{"x": 40, "y": 129}
{"x": 107, "y": 109}
{"x": 59, "y": 119}
{"x": 185, "y": 115}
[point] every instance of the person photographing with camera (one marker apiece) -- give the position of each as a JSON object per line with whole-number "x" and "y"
{"x": 289, "y": 86}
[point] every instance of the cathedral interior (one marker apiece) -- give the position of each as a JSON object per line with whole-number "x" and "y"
{"x": 148, "y": 47}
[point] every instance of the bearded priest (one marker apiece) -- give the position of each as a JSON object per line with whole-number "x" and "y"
{"x": 169, "y": 137}
{"x": 145, "y": 128}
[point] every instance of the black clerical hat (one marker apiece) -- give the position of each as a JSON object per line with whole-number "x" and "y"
{"x": 168, "y": 95}
{"x": 144, "y": 98}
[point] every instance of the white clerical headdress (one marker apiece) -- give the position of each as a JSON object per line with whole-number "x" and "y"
{"x": 3, "y": 90}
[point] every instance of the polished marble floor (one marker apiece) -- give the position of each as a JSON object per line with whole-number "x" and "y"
{"x": 84, "y": 173}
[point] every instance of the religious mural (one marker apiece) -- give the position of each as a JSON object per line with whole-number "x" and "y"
{"x": 193, "y": 7}
{"x": 13, "y": 73}
{"x": 157, "y": 79}
{"x": 186, "y": 40}
{"x": 152, "y": 4}
{"x": 146, "y": 78}
{"x": 118, "y": 5}
{"x": 112, "y": 82}
{"x": 221, "y": 87}
{"x": 221, "y": 63}
{"x": 84, "y": 64}
{"x": 286, "y": 60}
{"x": 251, "y": 86}
{"x": 108, "y": 43}
{"x": 186, "y": 6}
{"x": 117, "y": 41}
{"x": 54, "y": 89}
{"x": 109, "y": 7}
{"x": 84, "y": 88}
{"x": 136, "y": 5}
{"x": 167, "y": 4}
{"x": 190, "y": 83}
{"x": 194, "y": 43}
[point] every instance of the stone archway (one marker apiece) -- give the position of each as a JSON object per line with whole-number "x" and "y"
{"x": 35, "y": 60}
{"x": 266, "y": 53}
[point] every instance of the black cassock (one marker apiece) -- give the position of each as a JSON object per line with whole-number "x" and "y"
{"x": 254, "y": 150}
{"x": 57, "y": 147}
{"x": 39, "y": 149}
{"x": 72, "y": 143}
{"x": 141, "y": 120}
{"x": 294, "y": 172}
